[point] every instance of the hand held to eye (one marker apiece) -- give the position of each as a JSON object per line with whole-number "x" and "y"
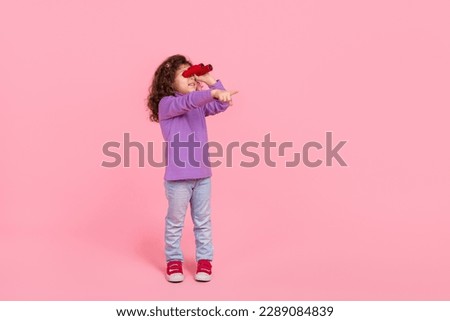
{"x": 198, "y": 70}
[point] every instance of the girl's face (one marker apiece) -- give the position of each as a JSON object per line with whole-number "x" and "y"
{"x": 184, "y": 85}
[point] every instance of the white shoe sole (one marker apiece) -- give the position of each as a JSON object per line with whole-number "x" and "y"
{"x": 175, "y": 277}
{"x": 203, "y": 277}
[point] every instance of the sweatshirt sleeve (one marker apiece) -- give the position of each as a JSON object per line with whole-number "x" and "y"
{"x": 173, "y": 106}
{"x": 216, "y": 106}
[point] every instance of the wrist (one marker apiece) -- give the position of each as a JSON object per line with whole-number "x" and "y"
{"x": 211, "y": 81}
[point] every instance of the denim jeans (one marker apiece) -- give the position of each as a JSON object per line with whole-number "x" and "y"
{"x": 180, "y": 193}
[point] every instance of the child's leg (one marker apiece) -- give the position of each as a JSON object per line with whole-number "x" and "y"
{"x": 201, "y": 217}
{"x": 178, "y": 194}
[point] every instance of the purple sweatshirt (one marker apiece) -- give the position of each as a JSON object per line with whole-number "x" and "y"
{"x": 183, "y": 125}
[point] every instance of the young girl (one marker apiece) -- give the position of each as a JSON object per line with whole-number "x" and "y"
{"x": 180, "y": 107}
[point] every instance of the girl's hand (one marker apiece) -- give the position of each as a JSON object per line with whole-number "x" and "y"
{"x": 223, "y": 95}
{"x": 206, "y": 78}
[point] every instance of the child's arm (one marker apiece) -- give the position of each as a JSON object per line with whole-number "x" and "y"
{"x": 171, "y": 106}
{"x": 223, "y": 98}
{"x": 216, "y": 106}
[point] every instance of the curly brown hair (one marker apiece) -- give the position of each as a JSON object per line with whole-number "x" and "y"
{"x": 162, "y": 84}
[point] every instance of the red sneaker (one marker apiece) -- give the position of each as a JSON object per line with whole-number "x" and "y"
{"x": 174, "y": 271}
{"x": 204, "y": 269}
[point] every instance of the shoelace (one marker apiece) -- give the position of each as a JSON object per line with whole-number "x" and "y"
{"x": 204, "y": 266}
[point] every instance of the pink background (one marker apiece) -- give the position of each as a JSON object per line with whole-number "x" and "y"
{"x": 75, "y": 74}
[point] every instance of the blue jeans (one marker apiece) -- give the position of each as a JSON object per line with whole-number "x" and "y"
{"x": 179, "y": 194}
